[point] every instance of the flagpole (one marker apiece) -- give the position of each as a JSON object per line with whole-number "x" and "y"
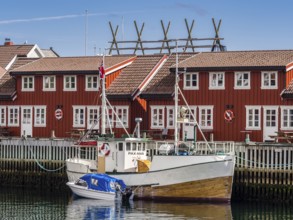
{"x": 103, "y": 127}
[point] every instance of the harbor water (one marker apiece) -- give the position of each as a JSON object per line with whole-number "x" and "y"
{"x": 19, "y": 203}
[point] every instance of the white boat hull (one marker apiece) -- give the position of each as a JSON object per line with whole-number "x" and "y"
{"x": 91, "y": 194}
{"x": 203, "y": 178}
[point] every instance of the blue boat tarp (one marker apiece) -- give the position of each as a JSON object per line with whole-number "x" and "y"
{"x": 103, "y": 182}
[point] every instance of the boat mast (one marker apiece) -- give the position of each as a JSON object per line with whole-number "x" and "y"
{"x": 176, "y": 103}
{"x": 103, "y": 127}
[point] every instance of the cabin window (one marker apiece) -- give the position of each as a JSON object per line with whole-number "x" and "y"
{"x": 40, "y": 116}
{"x": 93, "y": 117}
{"x": 157, "y": 117}
{"x": 2, "y": 116}
{"x": 69, "y": 83}
{"x": 92, "y": 83}
{"x": 242, "y": 80}
{"x": 190, "y": 81}
{"x": 94, "y": 182}
{"x": 170, "y": 116}
{"x": 134, "y": 146}
{"x": 286, "y": 117}
{"x": 269, "y": 80}
{"x": 253, "y": 117}
{"x": 120, "y": 146}
{"x": 143, "y": 146}
{"x": 49, "y": 83}
{"x": 217, "y": 80}
{"x": 13, "y": 116}
{"x": 128, "y": 146}
{"x": 139, "y": 146}
{"x": 28, "y": 83}
{"x": 122, "y": 113}
{"x": 206, "y": 117}
{"x": 78, "y": 117}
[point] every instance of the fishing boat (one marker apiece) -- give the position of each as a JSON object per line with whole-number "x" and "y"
{"x": 164, "y": 170}
{"x": 98, "y": 186}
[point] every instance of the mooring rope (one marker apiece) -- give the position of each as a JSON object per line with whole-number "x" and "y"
{"x": 37, "y": 162}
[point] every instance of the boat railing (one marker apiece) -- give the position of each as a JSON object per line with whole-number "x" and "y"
{"x": 197, "y": 148}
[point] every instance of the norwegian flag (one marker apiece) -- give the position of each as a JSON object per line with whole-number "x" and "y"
{"x": 102, "y": 71}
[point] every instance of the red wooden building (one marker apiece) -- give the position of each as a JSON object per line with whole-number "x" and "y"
{"x": 231, "y": 94}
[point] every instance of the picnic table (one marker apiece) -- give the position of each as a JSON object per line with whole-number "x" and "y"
{"x": 283, "y": 135}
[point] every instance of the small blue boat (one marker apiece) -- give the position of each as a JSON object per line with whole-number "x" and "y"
{"x": 98, "y": 186}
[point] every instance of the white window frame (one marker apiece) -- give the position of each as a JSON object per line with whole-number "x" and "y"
{"x": 25, "y": 84}
{"x": 216, "y": 86}
{"x": 89, "y": 83}
{"x": 242, "y": 80}
{"x": 124, "y": 118}
{"x": 206, "y": 108}
{"x": 69, "y": 88}
{"x": 190, "y": 87}
{"x": 247, "y": 120}
{"x": 49, "y": 88}
{"x": 41, "y": 122}
{"x": 15, "y": 117}
{"x": 90, "y": 118}
{"x": 170, "y": 116}
{"x": 110, "y": 117}
{"x": 78, "y": 122}
{"x": 289, "y": 121}
{"x": 263, "y": 86}
{"x": 156, "y": 120}
{"x": 3, "y": 116}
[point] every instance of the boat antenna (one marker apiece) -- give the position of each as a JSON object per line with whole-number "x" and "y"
{"x": 103, "y": 76}
{"x": 176, "y": 101}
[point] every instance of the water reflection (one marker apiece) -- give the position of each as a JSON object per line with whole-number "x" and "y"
{"x": 79, "y": 208}
{"x": 18, "y": 203}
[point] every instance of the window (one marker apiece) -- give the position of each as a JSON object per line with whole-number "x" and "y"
{"x": 269, "y": 80}
{"x": 69, "y": 83}
{"x": 40, "y": 116}
{"x": 93, "y": 117}
{"x": 253, "y": 117}
{"x": 190, "y": 81}
{"x": 109, "y": 118}
{"x": 28, "y": 83}
{"x": 92, "y": 83}
{"x": 157, "y": 117}
{"x": 170, "y": 116}
{"x": 13, "y": 116}
{"x": 49, "y": 83}
{"x": 217, "y": 81}
{"x": 287, "y": 117}
{"x": 2, "y": 116}
{"x": 122, "y": 113}
{"x": 206, "y": 117}
{"x": 78, "y": 117}
{"x": 191, "y": 116}
{"x": 242, "y": 80}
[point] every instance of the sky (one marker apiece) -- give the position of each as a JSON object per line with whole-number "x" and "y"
{"x": 81, "y": 27}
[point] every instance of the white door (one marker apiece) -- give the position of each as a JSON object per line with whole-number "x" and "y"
{"x": 188, "y": 128}
{"x": 270, "y": 122}
{"x": 26, "y": 122}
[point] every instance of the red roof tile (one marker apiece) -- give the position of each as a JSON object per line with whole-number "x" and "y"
{"x": 63, "y": 64}
{"x": 266, "y": 58}
{"x": 132, "y": 76}
{"x": 7, "y": 53}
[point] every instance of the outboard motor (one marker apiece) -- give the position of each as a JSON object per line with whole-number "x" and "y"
{"x": 127, "y": 195}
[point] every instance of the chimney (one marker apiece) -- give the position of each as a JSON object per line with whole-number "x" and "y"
{"x": 8, "y": 42}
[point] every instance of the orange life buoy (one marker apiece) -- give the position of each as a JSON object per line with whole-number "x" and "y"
{"x": 105, "y": 149}
{"x": 228, "y": 115}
